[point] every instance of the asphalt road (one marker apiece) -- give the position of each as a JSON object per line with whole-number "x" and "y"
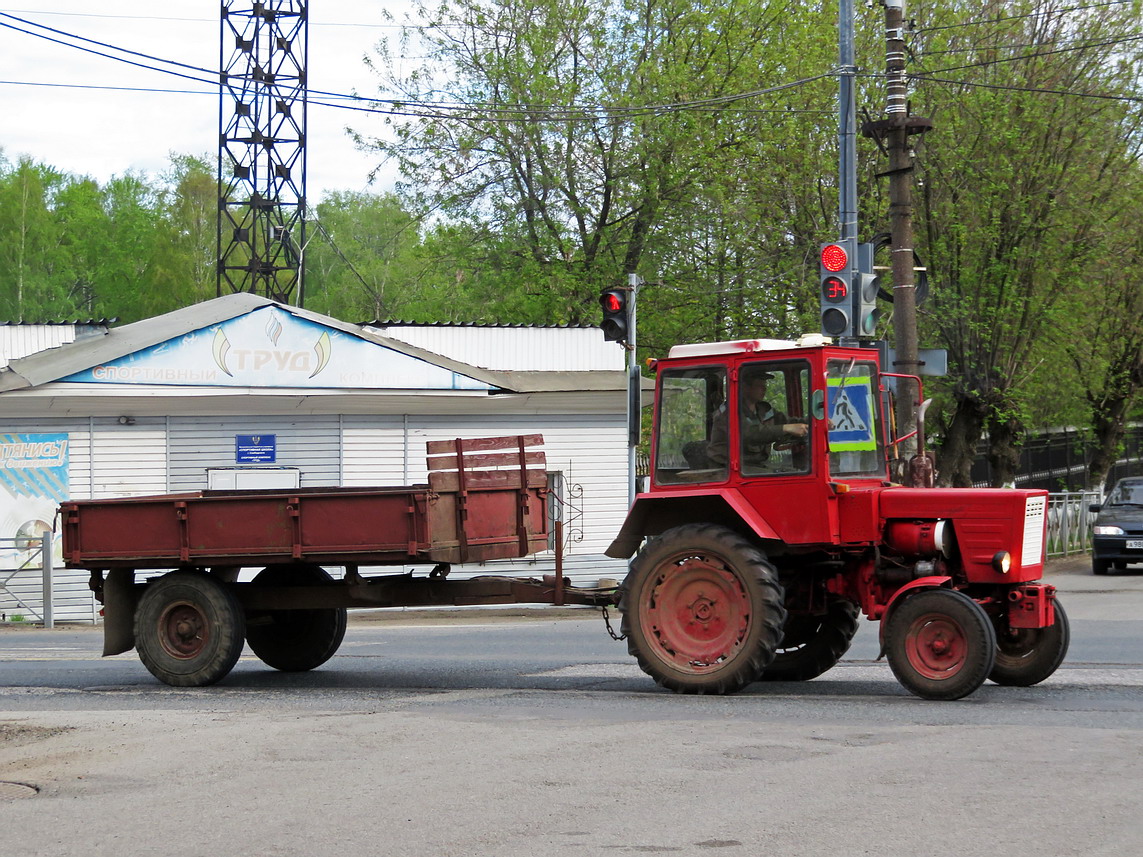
{"x": 526, "y": 735}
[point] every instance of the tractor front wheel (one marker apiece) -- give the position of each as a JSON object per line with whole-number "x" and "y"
{"x": 940, "y": 644}
{"x": 702, "y": 610}
{"x": 1027, "y": 656}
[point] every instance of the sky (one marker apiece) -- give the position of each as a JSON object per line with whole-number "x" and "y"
{"x": 101, "y": 132}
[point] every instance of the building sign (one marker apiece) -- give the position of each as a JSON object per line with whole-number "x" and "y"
{"x": 33, "y": 482}
{"x": 271, "y": 347}
{"x": 255, "y": 448}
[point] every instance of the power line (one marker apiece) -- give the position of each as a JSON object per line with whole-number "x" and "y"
{"x": 1007, "y": 18}
{"x": 511, "y": 112}
{"x": 109, "y": 56}
{"x": 979, "y": 48}
{"x": 1134, "y": 99}
{"x": 107, "y": 88}
{"x": 984, "y": 63}
{"x": 312, "y": 23}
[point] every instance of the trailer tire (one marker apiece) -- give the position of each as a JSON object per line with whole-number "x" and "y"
{"x": 702, "y": 610}
{"x": 188, "y": 629}
{"x": 812, "y": 645}
{"x": 1027, "y": 656}
{"x": 295, "y": 640}
{"x": 940, "y": 644}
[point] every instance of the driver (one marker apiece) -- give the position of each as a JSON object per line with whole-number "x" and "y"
{"x": 760, "y": 426}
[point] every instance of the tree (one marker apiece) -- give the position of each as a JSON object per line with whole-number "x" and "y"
{"x": 29, "y": 242}
{"x": 575, "y": 131}
{"x": 360, "y": 264}
{"x": 1017, "y": 182}
{"x": 183, "y": 270}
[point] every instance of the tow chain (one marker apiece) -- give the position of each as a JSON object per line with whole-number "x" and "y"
{"x": 607, "y": 622}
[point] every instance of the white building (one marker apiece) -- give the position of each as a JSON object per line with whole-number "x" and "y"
{"x": 244, "y": 391}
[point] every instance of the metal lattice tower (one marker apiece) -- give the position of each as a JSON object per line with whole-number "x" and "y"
{"x": 262, "y": 148}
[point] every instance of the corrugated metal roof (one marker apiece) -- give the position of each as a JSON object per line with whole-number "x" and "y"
{"x": 522, "y": 348}
{"x": 19, "y": 339}
{"x": 45, "y": 367}
{"x": 380, "y": 323}
{"x": 91, "y": 322}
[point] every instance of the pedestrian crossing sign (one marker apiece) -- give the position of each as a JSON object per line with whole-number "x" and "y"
{"x": 851, "y": 415}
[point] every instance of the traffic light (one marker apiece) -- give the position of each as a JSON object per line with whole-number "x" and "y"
{"x": 865, "y": 293}
{"x": 616, "y": 321}
{"x": 836, "y": 262}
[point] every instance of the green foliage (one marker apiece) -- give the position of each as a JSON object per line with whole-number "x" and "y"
{"x": 129, "y": 249}
{"x": 547, "y": 149}
{"x": 599, "y": 138}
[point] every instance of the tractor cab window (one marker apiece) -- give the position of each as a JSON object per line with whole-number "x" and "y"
{"x": 852, "y": 406}
{"x": 689, "y": 400}
{"x": 773, "y": 419}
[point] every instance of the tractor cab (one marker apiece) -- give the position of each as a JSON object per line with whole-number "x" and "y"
{"x": 765, "y": 431}
{"x": 735, "y": 412}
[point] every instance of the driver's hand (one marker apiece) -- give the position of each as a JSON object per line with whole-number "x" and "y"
{"x": 796, "y": 429}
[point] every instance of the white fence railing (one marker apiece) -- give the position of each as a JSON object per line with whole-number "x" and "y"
{"x": 1069, "y": 522}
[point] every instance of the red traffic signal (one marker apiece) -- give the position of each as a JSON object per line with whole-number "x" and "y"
{"x": 834, "y": 258}
{"x": 615, "y": 322}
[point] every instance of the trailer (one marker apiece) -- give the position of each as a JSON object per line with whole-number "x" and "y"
{"x": 486, "y": 499}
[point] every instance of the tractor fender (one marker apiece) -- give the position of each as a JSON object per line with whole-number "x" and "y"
{"x": 931, "y": 582}
{"x": 653, "y": 514}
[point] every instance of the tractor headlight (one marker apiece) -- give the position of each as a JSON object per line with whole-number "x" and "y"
{"x": 1002, "y": 561}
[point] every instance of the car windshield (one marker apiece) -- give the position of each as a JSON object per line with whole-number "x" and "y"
{"x": 1126, "y": 494}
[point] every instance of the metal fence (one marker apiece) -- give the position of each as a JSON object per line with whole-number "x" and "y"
{"x": 1069, "y": 522}
{"x": 1059, "y": 460}
{"x": 26, "y": 584}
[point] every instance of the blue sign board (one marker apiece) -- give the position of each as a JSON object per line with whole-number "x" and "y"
{"x": 851, "y": 415}
{"x": 255, "y": 448}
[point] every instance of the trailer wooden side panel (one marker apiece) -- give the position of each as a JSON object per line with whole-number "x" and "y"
{"x": 464, "y": 515}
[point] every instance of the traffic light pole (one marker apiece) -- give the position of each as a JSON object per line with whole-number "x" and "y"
{"x": 847, "y": 123}
{"x": 634, "y": 402}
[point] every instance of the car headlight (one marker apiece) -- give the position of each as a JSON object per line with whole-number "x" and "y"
{"x": 1104, "y": 530}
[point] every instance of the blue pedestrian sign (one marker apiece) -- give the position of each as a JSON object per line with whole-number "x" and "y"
{"x": 851, "y": 415}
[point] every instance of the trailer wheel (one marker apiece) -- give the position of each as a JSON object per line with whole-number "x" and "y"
{"x": 295, "y": 640}
{"x": 940, "y": 644}
{"x": 702, "y": 610}
{"x": 188, "y": 629}
{"x": 812, "y": 645}
{"x": 1027, "y": 656}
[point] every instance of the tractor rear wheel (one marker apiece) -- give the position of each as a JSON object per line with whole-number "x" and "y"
{"x": 812, "y": 645}
{"x": 940, "y": 644}
{"x": 295, "y": 640}
{"x": 702, "y": 610}
{"x": 1027, "y": 656}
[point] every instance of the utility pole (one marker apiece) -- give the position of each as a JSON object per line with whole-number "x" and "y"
{"x": 893, "y": 134}
{"x": 634, "y": 402}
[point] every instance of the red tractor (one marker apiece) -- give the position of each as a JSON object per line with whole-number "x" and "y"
{"x": 771, "y": 523}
